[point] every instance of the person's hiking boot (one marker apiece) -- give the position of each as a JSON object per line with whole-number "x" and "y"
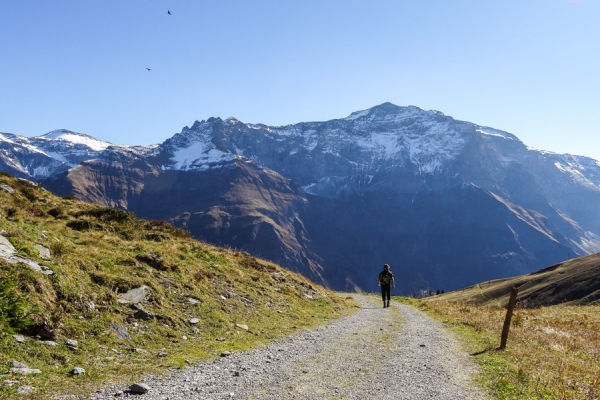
{"x": 388, "y": 303}
{"x": 384, "y": 306}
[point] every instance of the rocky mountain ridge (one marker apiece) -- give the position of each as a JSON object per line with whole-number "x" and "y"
{"x": 448, "y": 202}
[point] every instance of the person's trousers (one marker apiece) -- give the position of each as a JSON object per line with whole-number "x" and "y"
{"x": 385, "y": 292}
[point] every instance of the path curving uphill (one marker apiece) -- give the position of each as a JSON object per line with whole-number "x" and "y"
{"x": 376, "y": 353}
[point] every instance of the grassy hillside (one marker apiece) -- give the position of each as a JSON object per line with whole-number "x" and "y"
{"x": 200, "y": 300}
{"x": 553, "y": 349}
{"x": 575, "y": 281}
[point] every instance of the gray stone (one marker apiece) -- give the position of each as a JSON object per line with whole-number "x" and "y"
{"x": 162, "y": 354}
{"x": 120, "y": 331}
{"x": 43, "y": 251}
{"x": 242, "y": 326}
{"x": 50, "y": 343}
{"x": 25, "y": 389}
{"x": 10, "y": 383}
{"x": 19, "y": 338}
{"x": 225, "y": 354}
{"x": 9, "y": 253}
{"x": 25, "y": 371}
{"x": 18, "y": 364}
{"x": 194, "y": 321}
{"x": 72, "y": 344}
{"x": 77, "y": 371}
{"x": 6, "y": 248}
{"x": 139, "y": 388}
{"x": 6, "y": 188}
{"x": 137, "y": 295}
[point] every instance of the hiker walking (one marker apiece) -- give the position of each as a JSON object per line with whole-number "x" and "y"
{"x": 385, "y": 280}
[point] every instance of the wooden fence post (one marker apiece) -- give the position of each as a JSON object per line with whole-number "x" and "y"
{"x": 509, "y": 313}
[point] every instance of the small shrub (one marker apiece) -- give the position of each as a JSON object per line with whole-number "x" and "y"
{"x": 28, "y": 193}
{"x": 130, "y": 262}
{"x": 56, "y": 212}
{"x": 153, "y": 260}
{"x": 107, "y": 214}
{"x": 80, "y": 225}
{"x": 116, "y": 283}
{"x": 203, "y": 274}
{"x": 57, "y": 248}
{"x": 12, "y": 233}
{"x": 13, "y": 306}
{"x": 36, "y": 211}
{"x": 11, "y": 212}
{"x": 167, "y": 227}
{"x": 155, "y": 237}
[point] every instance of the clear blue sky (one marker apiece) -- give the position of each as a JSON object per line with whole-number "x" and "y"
{"x": 529, "y": 67}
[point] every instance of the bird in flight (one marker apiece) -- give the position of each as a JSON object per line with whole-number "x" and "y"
{"x": 169, "y": 12}
{"x": 148, "y": 69}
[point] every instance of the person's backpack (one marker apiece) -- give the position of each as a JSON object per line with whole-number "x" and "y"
{"x": 385, "y": 278}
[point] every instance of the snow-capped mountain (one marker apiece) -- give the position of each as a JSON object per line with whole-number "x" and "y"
{"x": 449, "y": 202}
{"x": 358, "y": 153}
{"x": 44, "y": 156}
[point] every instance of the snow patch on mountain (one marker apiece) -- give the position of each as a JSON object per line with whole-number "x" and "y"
{"x": 432, "y": 150}
{"x": 590, "y": 243}
{"x": 11, "y": 161}
{"x": 4, "y": 138}
{"x": 383, "y": 143}
{"x": 31, "y": 148}
{"x": 575, "y": 171}
{"x": 357, "y": 114}
{"x": 495, "y": 133}
{"x": 199, "y": 156}
{"x": 41, "y": 172}
{"x": 59, "y": 157}
{"x": 75, "y": 138}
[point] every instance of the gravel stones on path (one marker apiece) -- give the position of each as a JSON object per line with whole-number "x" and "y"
{"x": 391, "y": 353}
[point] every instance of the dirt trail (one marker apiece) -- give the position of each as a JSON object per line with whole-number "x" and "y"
{"x": 392, "y": 353}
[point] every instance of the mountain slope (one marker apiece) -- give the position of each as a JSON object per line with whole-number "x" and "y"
{"x": 447, "y": 203}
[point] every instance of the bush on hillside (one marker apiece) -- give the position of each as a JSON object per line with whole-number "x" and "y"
{"x": 13, "y": 306}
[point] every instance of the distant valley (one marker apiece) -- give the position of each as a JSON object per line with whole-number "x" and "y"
{"x": 446, "y": 203}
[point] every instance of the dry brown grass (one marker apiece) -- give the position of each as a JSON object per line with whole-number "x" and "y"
{"x": 552, "y": 352}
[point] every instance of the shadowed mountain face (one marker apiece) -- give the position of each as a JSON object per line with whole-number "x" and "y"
{"x": 446, "y": 203}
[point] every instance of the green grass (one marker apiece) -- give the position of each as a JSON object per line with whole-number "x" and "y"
{"x": 99, "y": 252}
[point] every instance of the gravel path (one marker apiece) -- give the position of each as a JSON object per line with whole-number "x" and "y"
{"x": 392, "y": 353}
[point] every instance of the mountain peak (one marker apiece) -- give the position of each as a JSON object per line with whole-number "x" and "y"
{"x": 74, "y": 138}
{"x": 388, "y": 108}
{"x": 60, "y": 133}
